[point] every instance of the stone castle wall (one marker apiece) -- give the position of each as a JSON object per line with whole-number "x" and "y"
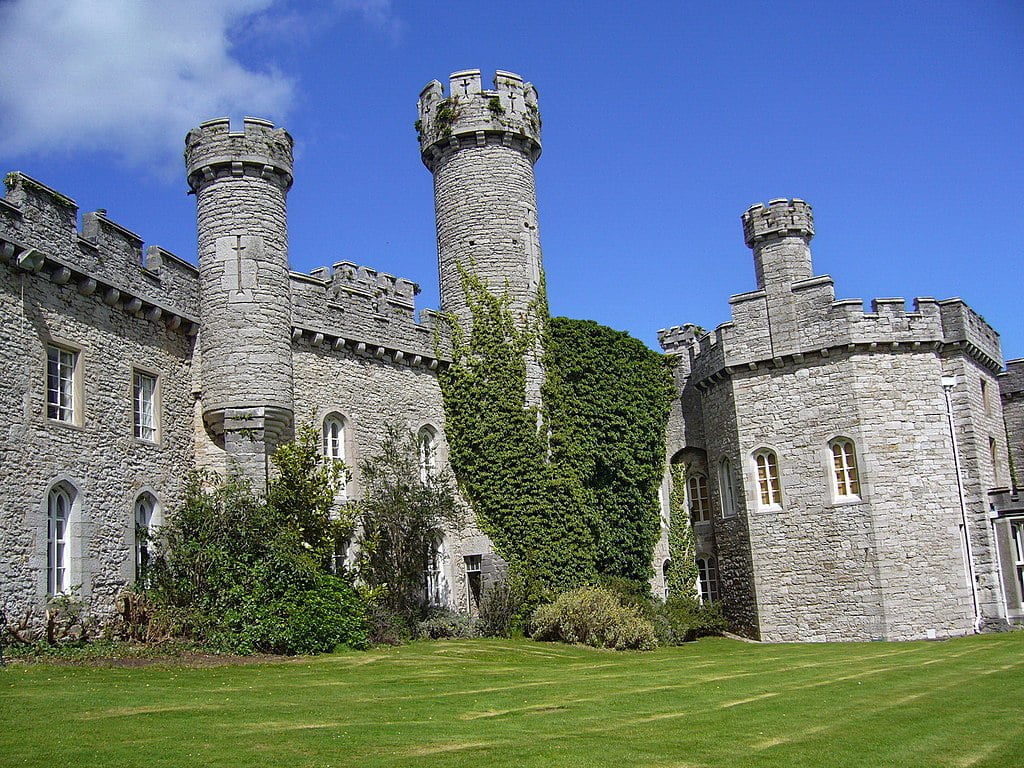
{"x": 91, "y": 293}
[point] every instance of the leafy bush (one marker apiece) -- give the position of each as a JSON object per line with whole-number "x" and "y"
{"x": 443, "y": 624}
{"x": 386, "y": 627}
{"x": 593, "y": 616}
{"x": 683, "y": 619}
{"x": 501, "y": 608}
{"x": 246, "y": 574}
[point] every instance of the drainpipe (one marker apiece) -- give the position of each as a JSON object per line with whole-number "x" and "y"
{"x": 948, "y": 382}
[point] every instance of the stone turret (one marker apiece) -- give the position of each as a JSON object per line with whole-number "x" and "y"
{"x": 481, "y": 146}
{"x": 241, "y": 181}
{"x": 780, "y": 236}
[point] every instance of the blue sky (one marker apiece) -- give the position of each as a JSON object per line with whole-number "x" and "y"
{"x": 901, "y": 123}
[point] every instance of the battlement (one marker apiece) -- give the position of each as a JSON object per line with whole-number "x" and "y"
{"x": 469, "y": 115}
{"x": 780, "y": 218}
{"x": 213, "y": 150}
{"x": 361, "y": 308}
{"x": 39, "y": 235}
{"x": 680, "y": 338}
{"x": 347, "y": 277}
{"x": 964, "y": 327}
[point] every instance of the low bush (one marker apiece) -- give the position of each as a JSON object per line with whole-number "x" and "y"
{"x": 501, "y": 608}
{"x": 683, "y": 619}
{"x": 443, "y": 624}
{"x": 593, "y": 616}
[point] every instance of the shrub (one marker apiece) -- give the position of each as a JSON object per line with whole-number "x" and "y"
{"x": 443, "y": 624}
{"x": 501, "y": 608}
{"x": 683, "y": 619}
{"x": 593, "y": 616}
{"x": 246, "y": 574}
{"x": 385, "y": 626}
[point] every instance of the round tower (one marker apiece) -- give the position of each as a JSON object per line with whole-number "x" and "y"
{"x": 241, "y": 181}
{"x": 481, "y": 146}
{"x": 780, "y": 236}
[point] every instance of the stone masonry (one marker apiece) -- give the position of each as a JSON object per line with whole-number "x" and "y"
{"x": 240, "y": 350}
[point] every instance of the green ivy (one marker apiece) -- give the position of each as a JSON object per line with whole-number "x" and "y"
{"x": 682, "y": 552}
{"x": 568, "y": 492}
{"x": 607, "y": 399}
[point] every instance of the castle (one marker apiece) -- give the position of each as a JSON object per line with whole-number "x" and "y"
{"x": 847, "y": 473}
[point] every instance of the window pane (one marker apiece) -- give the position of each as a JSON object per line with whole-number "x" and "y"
{"x": 60, "y": 384}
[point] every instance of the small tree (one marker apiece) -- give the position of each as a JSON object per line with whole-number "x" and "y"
{"x": 406, "y": 506}
{"x": 246, "y": 573}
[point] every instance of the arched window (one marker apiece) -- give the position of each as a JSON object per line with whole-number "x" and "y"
{"x": 769, "y": 486}
{"x": 665, "y": 567}
{"x": 334, "y": 437}
{"x": 700, "y": 503}
{"x": 58, "y": 551}
{"x": 726, "y": 492}
{"x": 145, "y": 509}
{"x": 845, "y": 481}
{"x": 426, "y": 448}
{"x": 707, "y": 572}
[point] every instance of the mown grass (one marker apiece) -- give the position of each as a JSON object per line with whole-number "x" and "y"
{"x": 518, "y": 703}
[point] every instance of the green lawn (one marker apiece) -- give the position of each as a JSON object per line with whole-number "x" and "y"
{"x": 484, "y": 703}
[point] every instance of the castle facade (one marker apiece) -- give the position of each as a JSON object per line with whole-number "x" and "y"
{"x": 848, "y": 473}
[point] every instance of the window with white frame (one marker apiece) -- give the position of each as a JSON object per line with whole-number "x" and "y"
{"x": 700, "y": 503}
{"x": 144, "y": 405}
{"x": 845, "y": 478}
{"x": 426, "y": 447}
{"x": 726, "y": 489}
{"x": 58, "y": 551}
{"x": 334, "y": 444}
{"x": 1018, "y": 554}
{"x": 474, "y": 580}
{"x": 61, "y": 367}
{"x": 436, "y": 586}
{"x": 145, "y": 507}
{"x": 769, "y": 487}
{"x": 707, "y": 573}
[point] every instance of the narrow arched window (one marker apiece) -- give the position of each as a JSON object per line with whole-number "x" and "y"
{"x": 58, "y": 555}
{"x": 707, "y": 572}
{"x": 726, "y": 492}
{"x": 846, "y": 482}
{"x": 769, "y": 486}
{"x": 334, "y": 437}
{"x": 665, "y": 568}
{"x": 426, "y": 448}
{"x": 145, "y": 506}
{"x": 700, "y": 503}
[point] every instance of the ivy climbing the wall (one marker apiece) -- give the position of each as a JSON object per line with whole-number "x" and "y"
{"x": 682, "y": 570}
{"x": 606, "y": 399}
{"x": 568, "y": 492}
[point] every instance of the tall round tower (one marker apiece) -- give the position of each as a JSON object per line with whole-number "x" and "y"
{"x": 481, "y": 146}
{"x": 241, "y": 181}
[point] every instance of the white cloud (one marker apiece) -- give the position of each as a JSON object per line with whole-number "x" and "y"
{"x": 129, "y": 76}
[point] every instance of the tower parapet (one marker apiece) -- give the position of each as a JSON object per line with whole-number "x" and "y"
{"x": 241, "y": 181}
{"x": 506, "y": 115}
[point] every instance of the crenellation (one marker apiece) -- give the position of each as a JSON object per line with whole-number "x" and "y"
{"x": 469, "y": 115}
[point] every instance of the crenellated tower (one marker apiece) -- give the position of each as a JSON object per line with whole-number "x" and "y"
{"x": 481, "y": 146}
{"x": 241, "y": 181}
{"x": 780, "y": 236}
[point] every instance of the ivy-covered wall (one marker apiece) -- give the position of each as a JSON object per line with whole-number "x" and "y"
{"x": 568, "y": 491}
